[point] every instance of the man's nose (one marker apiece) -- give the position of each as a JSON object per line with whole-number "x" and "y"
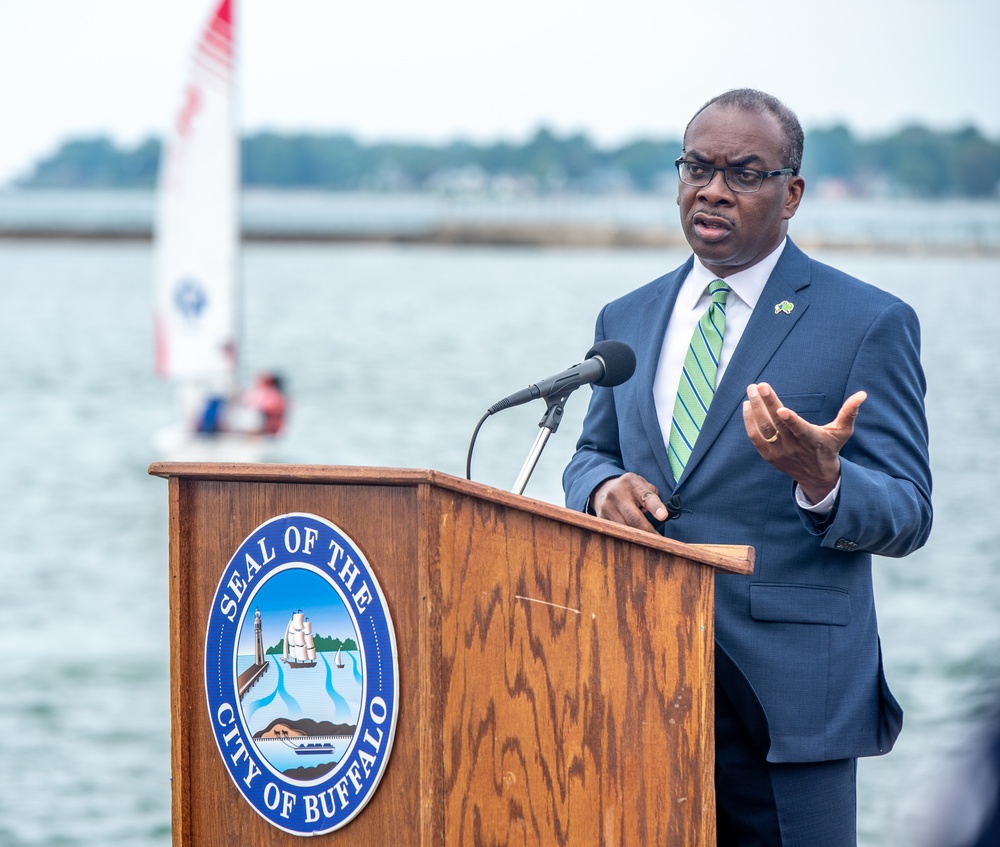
{"x": 716, "y": 189}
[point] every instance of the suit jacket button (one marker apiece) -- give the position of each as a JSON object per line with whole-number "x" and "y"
{"x": 845, "y": 544}
{"x": 674, "y": 507}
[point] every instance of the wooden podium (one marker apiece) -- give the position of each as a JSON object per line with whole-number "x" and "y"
{"x": 555, "y": 670}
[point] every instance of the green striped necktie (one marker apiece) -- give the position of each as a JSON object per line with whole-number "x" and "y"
{"x": 697, "y": 386}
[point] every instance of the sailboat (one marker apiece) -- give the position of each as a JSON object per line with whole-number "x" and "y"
{"x": 300, "y": 645}
{"x": 197, "y": 277}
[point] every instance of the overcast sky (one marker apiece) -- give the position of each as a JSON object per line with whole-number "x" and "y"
{"x": 443, "y": 69}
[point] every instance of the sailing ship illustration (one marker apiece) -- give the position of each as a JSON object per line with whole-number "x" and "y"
{"x": 300, "y": 646}
{"x": 339, "y": 660}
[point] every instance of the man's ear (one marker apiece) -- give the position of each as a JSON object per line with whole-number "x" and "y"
{"x": 794, "y": 189}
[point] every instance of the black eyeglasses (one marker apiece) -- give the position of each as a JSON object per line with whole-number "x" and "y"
{"x": 741, "y": 180}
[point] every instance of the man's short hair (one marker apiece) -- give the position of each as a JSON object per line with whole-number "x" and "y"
{"x": 757, "y": 101}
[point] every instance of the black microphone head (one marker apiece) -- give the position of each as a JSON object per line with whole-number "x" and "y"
{"x": 619, "y": 362}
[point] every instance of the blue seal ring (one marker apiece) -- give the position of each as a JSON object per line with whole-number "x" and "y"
{"x": 302, "y": 674}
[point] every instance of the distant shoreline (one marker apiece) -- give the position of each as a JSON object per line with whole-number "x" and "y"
{"x": 497, "y": 235}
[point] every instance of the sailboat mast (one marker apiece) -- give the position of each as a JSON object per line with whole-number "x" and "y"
{"x": 236, "y": 121}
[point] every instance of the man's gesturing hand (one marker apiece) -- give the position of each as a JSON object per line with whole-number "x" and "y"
{"x": 808, "y": 453}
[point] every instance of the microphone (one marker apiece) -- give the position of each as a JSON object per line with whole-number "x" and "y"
{"x": 607, "y": 363}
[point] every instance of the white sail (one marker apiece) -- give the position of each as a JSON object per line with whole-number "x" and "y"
{"x": 197, "y": 225}
{"x": 310, "y": 642}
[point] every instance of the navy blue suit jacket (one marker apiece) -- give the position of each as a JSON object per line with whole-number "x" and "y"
{"x": 797, "y": 642}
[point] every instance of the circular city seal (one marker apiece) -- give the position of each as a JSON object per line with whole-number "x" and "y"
{"x": 302, "y": 674}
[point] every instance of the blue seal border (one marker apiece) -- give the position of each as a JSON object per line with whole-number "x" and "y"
{"x": 305, "y": 540}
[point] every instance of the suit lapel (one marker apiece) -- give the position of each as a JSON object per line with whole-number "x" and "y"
{"x": 653, "y": 328}
{"x": 764, "y": 334}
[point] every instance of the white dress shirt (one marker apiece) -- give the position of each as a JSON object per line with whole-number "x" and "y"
{"x": 745, "y": 288}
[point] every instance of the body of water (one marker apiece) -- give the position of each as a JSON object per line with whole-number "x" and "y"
{"x": 392, "y": 354}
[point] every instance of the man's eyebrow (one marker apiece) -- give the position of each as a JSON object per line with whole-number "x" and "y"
{"x": 742, "y": 162}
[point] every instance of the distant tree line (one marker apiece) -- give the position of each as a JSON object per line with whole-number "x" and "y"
{"x": 913, "y": 161}
{"x": 323, "y": 644}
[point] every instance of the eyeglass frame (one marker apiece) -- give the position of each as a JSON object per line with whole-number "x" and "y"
{"x": 680, "y": 160}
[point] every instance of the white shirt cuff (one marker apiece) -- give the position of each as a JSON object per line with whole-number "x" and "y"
{"x": 823, "y": 507}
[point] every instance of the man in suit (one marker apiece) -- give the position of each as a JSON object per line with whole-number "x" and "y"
{"x": 813, "y": 451}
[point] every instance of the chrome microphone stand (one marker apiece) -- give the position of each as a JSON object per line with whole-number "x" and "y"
{"x": 547, "y": 425}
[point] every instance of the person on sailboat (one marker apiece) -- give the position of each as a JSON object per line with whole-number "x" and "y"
{"x": 266, "y": 398}
{"x": 212, "y": 420}
{"x": 216, "y": 396}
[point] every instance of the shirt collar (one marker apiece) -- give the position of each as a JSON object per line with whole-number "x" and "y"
{"x": 747, "y": 284}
